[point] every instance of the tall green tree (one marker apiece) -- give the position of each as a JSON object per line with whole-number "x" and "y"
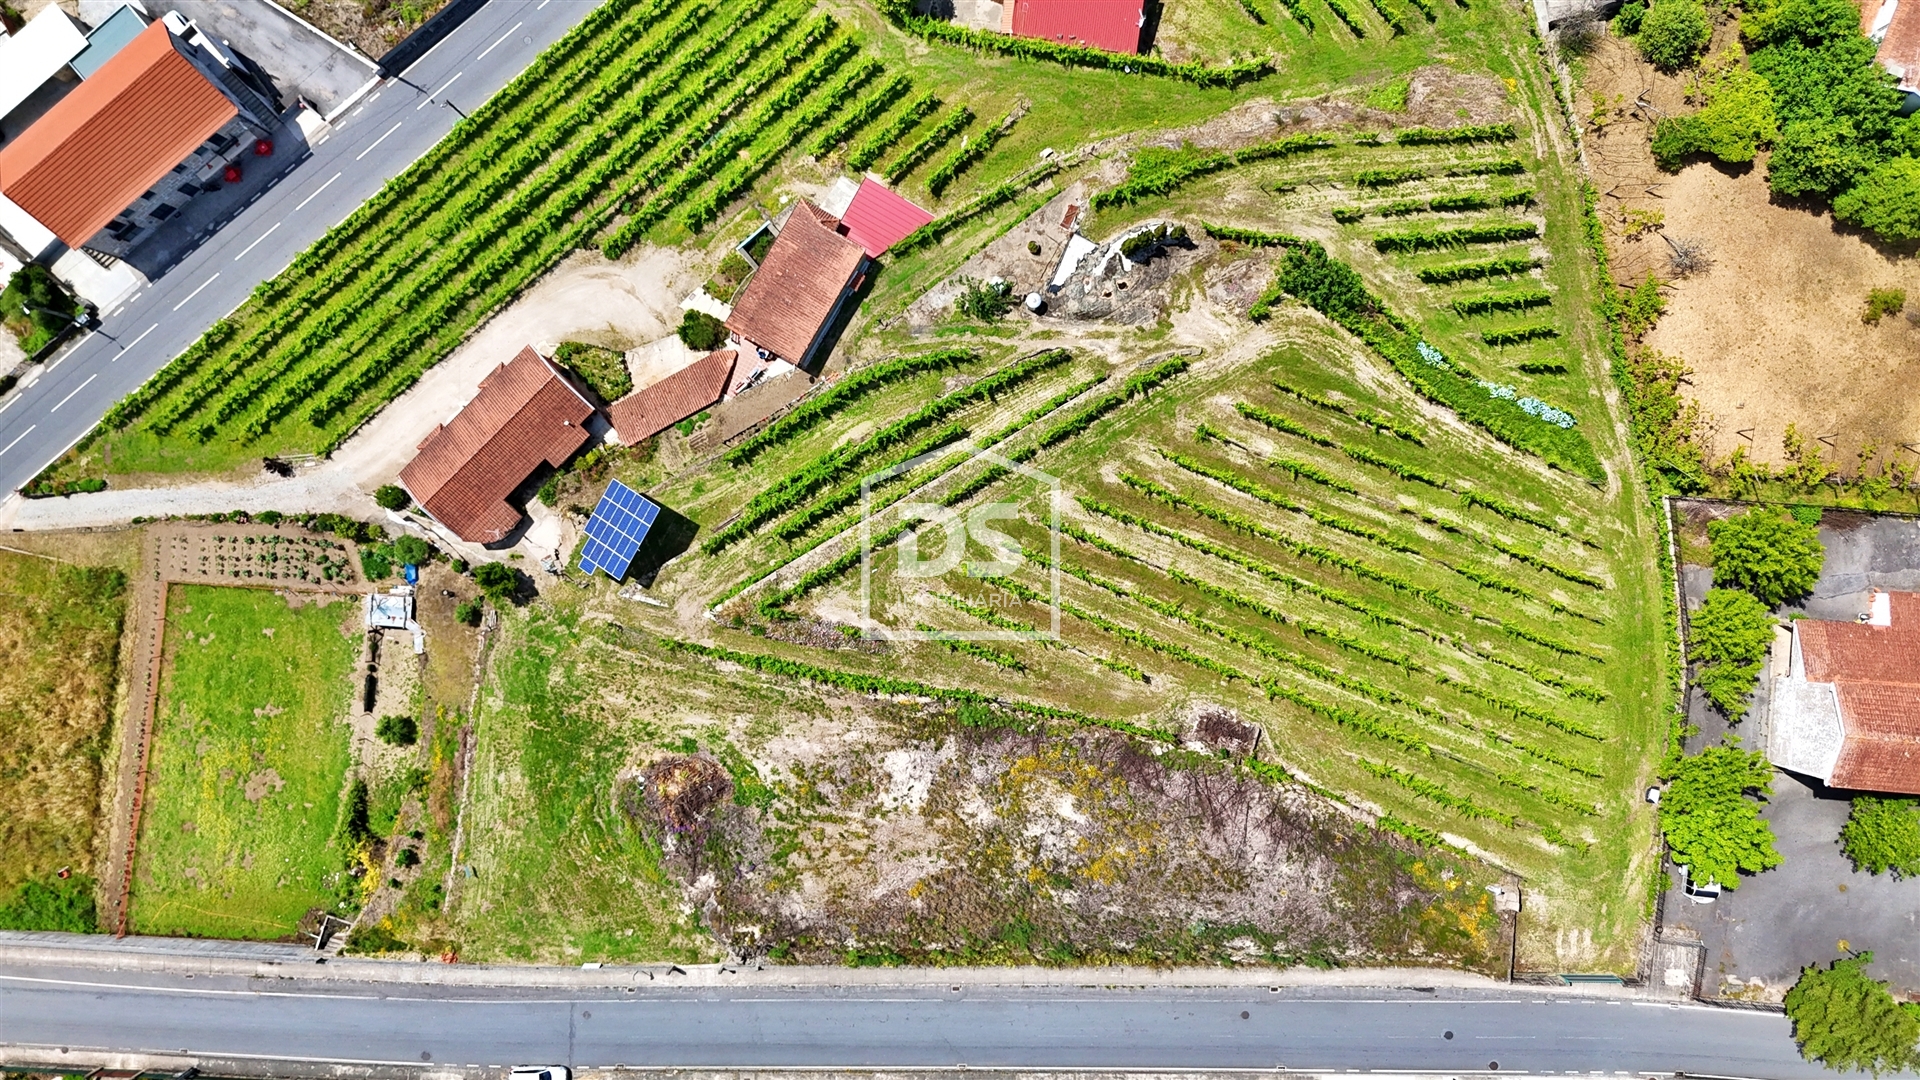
{"x": 1727, "y": 640}
{"x": 1767, "y": 553}
{"x": 1674, "y": 32}
{"x": 1883, "y": 835}
{"x": 1849, "y": 1022}
{"x": 1712, "y": 827}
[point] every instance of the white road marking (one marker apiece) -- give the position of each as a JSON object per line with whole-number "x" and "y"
{"x": 256, "y": 243}
{"x": 357, "y": 109}
{"x": 378, "y": 141}
{"x": 196, "y": 292}
{"x": 18, "y": 437}
{"x": 321, "y": 139}
{"x": 316, "y": 193}
{"x": 437, "y": 93}
{"x": 503, "y": 37}
{"x": 10, "y": 403}
{"x": 543, "y": 3}
{"x": 136, "y": 341}
{"x": 76, "y": 390}
{"x": 375, "y": 96}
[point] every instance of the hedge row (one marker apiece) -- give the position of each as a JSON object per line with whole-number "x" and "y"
{"x": 1433, "y": 239}
{"x": 1434, "y": 793}
{"x": 965, "y": 157}
{"x": 1350, "y": 15}
{"x": 1392, "y": 16}
{"x": 849, "y": 493}
{"x": 937, "y": 136}
{"x": 1510, "y": 301}
{"x": 1155, "y": 172}
{"x": 1380, "y": 424}
{"x": 1231, "y": 479}
{"x": 1474, "y": 271}
{"x": 881, "y": 141}
{"x": 877, "y": 101}
{"x": 1519, "y": 335}
{"x": 1251, "y": 237}
{"x": 1373, "y": 178}
{"x": 1425, "y": 136}
{"x": 974, "y": 649}
{"x": 847, "y": 391}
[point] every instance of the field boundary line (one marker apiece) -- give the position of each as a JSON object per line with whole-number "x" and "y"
{"x": 157, "y": 627}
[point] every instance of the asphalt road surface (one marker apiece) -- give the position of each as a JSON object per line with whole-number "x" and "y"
{"x": 1533, "y": 1032}
{"x": 374, "y": 142}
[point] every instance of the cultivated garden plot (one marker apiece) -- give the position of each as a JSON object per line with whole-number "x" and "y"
{"x": 249, "y": 763}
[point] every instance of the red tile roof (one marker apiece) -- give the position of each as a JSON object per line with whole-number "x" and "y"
{"x": 1900, "y": 49}
{"x": 793, "y": 295}
{"x": 526, "y": 413}
{"x": 1113, "y": 25}
{"x": 1876, "y": 675}
{"x": 877, "y": 218}
{"x": 645, "y": 413}
{"x": 112, "y": 138}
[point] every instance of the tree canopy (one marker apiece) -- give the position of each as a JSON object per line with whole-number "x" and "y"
{"x": 1673, "y": 33}
{"x": 1849, "y": 1022}
{"x": 1712, "y": 827}
{"x": 1728, "y": 638}
{"x": 1883, "y": 835}
{"x": 1767, "y": 553}
{"x": 1886, "y": 201}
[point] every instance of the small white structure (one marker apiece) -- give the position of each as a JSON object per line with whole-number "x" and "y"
{"x": 393, "y": 610}
{"x": 37, "y": 53}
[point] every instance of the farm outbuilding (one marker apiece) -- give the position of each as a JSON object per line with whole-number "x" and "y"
{"x": 1847, "y": 709}
{"x": 651, "y": 410}
{"x": 1113, "y": 25}
{"x": 527, "y": 413}
{"x": 802, "y": 285}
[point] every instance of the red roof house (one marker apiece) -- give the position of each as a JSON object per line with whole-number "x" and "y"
{"x": 113, "y": 137}
{"x": 878, "y": 218}
{"x": 794, "y": 297}
{"x": 648, "y": 412}
{"x": 1848, "y": 709}
{"x": 1113, "y": 25}
{"x": 1897, "y": 28}
{"x": 527, "y": 413}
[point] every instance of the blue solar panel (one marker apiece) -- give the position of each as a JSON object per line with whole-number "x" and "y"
{"x": 616, "y": 530}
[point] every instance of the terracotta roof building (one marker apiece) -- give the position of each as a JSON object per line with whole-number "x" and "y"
{"x": 1896, "y": 26}
{"x": 1847, "y": 707}
{"x": 800, "y": 287}
{"x": 879, "y": 218}
{"x": 526, "y": 414}
{"x": 1113, "y": 25}
{"x": 651, "y": 410}
{"x": 155, "y": 103}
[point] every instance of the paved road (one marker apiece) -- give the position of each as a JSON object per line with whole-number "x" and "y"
{"x": 373, "y": 143}
{"x": 1321, "y": 1029}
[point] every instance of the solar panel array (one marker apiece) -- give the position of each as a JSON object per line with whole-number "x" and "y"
{"x": 616, "y": 530}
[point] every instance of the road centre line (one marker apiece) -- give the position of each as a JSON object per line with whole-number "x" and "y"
{"x": 11, "y": 402}
{"x": 18, "y": 437}
{"x": 442, "y": 90}
{"x": 316, "y": 193}
{"x": 76, "y": 390}
{"x": 256, "y": 243}
{"x": 378, "y": 141}
{"x": 503, "y": 37}
{"x": 135, "y": 341}
{"x": 196, "y": 292}
{"x": 543, "y": 3}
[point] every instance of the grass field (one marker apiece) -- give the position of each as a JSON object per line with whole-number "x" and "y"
{"x": 545, "y": 169}
{"x": 248, "y": 763}
{"x": 59, "y": 647}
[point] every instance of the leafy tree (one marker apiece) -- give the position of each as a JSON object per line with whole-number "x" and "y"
{"x": 1735, "y": 119}
{"x": 1767, "y": 553}
{"x": 1729, "y": 638}
{"x": 1712, "y": 827}
{"x": 397, "y": 730}
{"x": 1883, "y": 835}
{"x": 391, "y": 497}
{"x": 1886, "y": 202}
{"x": 1849, "y": 1022}
{"x": 1673, "y": 33}
{"x": 699, "y": 330}
{"x": 411, "y": 550}
{"x": 468, "y": 612}
{"x": 1626, "y": 22}
{"x": 497, "y": 580}
{"x": 984, "y": 300}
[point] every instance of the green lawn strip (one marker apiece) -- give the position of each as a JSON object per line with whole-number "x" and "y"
{"x": 252, "y": 705}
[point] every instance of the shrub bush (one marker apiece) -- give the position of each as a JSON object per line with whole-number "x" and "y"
{"x": 1886, "y": 202}
{"x": 35, "y": 307}
{"x": 1767, "y": 553}
{"x": 497, "y": 580}
{"x": 983, "y": 300}
{"x": 411, "y": 551}
{"x": 1673, "y": 33}
{"x": 1735, "y": 119}
{"x": 397, "y": 730}
{"x": 603, "y": 370}
{"x": 375, "y": 564}
{"x": 1884, "y": 302}
{"x": 1729, "y": 639}
{"x": 1883, "y": 836}
{"x": 1626, "y": 22}
{"x": 468, "y": 612}
{"x": 55, "y": 904}
{"x": 701, "y": 331}
{"x": 1849, "y": 1022}
{"x": 391, "y": 497}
